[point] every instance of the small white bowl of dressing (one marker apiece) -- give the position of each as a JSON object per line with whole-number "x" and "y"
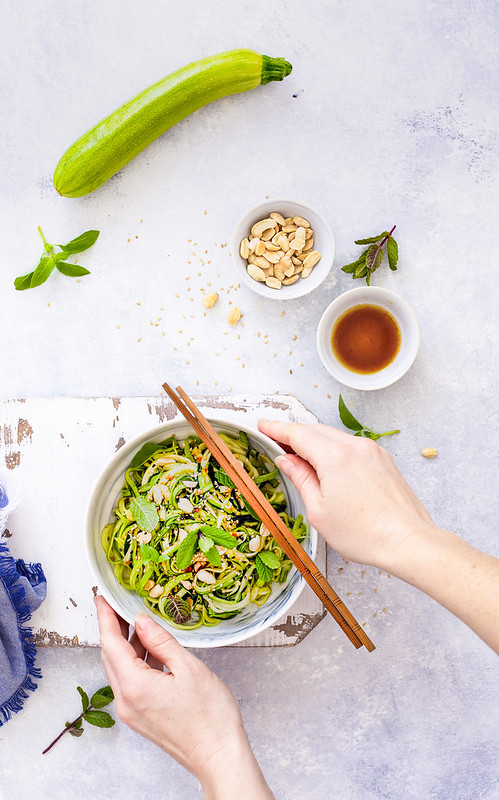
{"x": 368, "y": 338}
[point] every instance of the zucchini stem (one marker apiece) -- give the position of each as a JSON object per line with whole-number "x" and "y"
{"x": 274, "y": 69}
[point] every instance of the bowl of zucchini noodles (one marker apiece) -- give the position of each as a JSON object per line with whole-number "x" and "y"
{"x": 168, "y": 533}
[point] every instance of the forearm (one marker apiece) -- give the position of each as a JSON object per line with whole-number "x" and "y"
{"x": 237, "y": 774}
{"x": 455, "y": 574}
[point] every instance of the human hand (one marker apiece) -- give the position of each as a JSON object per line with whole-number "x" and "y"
{"x": 188, "y": 711}
{"x": 353, "y": 493}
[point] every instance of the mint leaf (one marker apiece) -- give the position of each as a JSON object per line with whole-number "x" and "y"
{"x": 144, "y": 513}
{"x": 350, "y": 268}
{"x": 102, "y": 697}
{"x": 81, "y": 243}
{"x": 43, "y": 271}
{"x": 213, "y": 556}
{"x": 84, "y": 698}
{"x": 265, "y": 572}
{"x": 360, "y": 271}
{"x": 377, "y": 261}
{"x": 270, "y": 559}
{"x": 350, "y": 422}
{"x": 219, "y": 536}
{"x": 347, "y": 417}
{"x": 71, "y": 270}
{"x": 186, "y": 550}
{"x": 146, "y": 451}
{"x": 222, "y": 477}
{"x": 148, "y": 553}
{"x": 99, "y": 718}
{"x": 205, "y": 543}
{"x": 372, "y": 239}
{"x": 393, "y": 253}
{"x": 207, "y": 546}
{"x": 372, "y": 254}
{"x": 23, "y": 282}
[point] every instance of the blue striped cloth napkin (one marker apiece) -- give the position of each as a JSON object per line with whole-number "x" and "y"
{"x": 22, "y": 588}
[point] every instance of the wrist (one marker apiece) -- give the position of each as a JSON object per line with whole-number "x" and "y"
{"x": 407, "y": 550}
{"x": 424, "y": 554}
{"x": 235, "y": 772}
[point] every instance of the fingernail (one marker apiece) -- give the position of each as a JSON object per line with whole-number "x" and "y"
{"x": 285, "y": 464}
{"x": 143, "y": 621}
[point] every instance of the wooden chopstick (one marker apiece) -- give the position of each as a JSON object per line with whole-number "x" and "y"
{"x": 270, "y": 518}
{"x": 287, "y": 541}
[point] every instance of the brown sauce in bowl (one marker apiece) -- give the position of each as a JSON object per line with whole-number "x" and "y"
{"x": 365, "y": 339}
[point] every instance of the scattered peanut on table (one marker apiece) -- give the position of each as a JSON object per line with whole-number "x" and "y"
{"x": 234, "y": 316}
{"x": 279, "y": 250}
{"x": 429, "y": 452}
{"x": 210, "y": 300}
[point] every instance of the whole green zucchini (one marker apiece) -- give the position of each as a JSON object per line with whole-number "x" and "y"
{"x": 119, "y": 137}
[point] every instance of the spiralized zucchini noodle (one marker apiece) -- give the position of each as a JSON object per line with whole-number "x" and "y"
{"x": 186, "y": 541}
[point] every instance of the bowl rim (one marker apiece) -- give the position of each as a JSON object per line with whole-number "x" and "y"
{"x": 284, "y": 293}
{"x": 359, "y": 380}
{"x": 133, "y": 444}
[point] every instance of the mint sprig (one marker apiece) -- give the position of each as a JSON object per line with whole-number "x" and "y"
{"x": 51, "y": 260}
{"x": 144, "y": 514}
{"x": 371, "y": 258}
{"x": 186, "y": 550}
{"x": 353, "y": 424}
{"x": 91, "y": 713}
{"x": 219, "y": 536}
{"x": 207, "y": 546}
{"x": 266, "y": 562}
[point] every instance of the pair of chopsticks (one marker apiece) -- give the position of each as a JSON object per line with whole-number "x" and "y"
{"x": 270, "y": 518}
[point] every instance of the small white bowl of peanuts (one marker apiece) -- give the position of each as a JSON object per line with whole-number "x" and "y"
{"x": 282, "y": 249}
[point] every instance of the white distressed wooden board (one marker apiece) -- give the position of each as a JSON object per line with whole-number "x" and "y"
{"x": 55, "y": 448}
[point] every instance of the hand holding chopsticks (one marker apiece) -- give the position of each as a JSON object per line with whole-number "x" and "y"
{"x": 270, "y": 518}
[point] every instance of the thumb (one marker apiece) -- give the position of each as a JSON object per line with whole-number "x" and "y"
{"x": 302, "y": 475}
{"x": 159, "y": 643}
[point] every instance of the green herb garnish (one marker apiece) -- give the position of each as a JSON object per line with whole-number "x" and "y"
{"x": 51, "y": 259}
{"x": 91, "y": 713}
{"x": 178, "y": 609}
{"x": 353, "y": 424}
{"x": 205, "y": 540}
{"x": 144, "y": 514}
{"x": 207, "y": 546}
{"x": 186, "y": 550}
{"x": 266, "y": 562}
{"x": 219, "y": 536}
{"x": 372, "y": 257}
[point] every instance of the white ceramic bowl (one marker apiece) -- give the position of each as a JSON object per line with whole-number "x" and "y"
{"x": 323, "y": 242}
{"x": 251, "y": 619}
{"x": 409, "y": 332}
